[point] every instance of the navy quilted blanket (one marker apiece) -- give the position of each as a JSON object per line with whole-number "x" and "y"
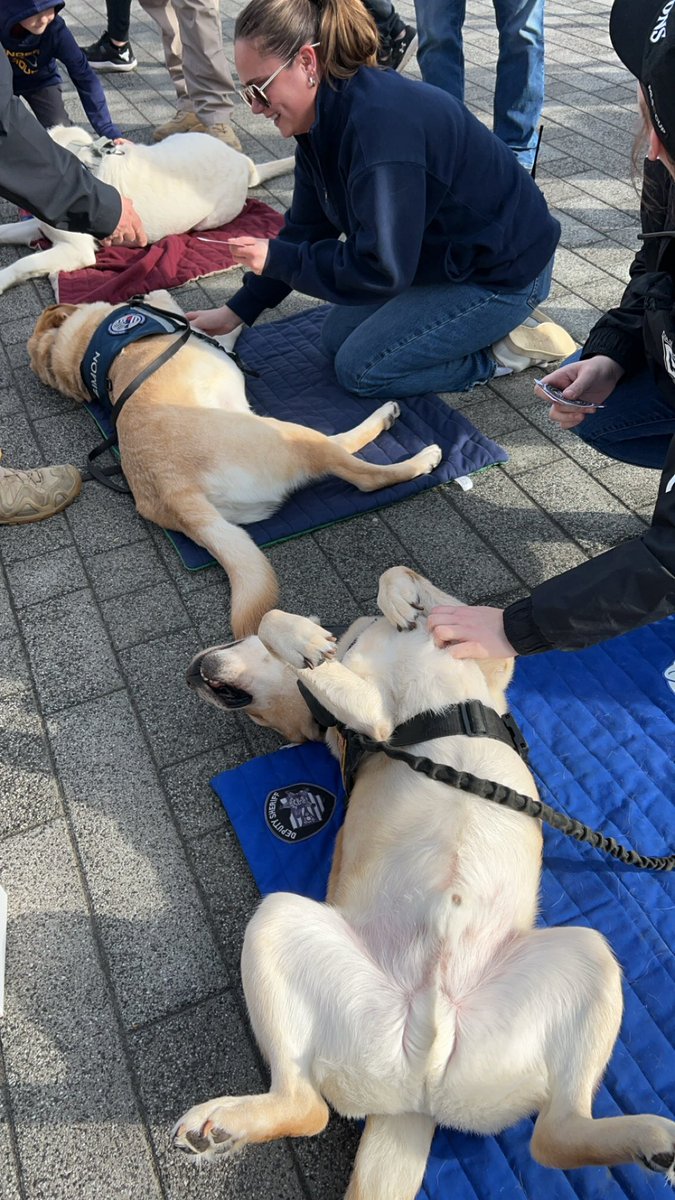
{"x": 601, "y": 727}
{"x": 296, "y": 382}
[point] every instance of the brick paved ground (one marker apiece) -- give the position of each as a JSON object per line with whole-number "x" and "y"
{"x": 128, "y": 892}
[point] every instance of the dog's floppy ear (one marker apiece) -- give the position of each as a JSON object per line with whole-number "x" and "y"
{"x": 54, "y": 316}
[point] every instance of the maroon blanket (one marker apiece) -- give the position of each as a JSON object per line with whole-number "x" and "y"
{"x": 121, "y": 272}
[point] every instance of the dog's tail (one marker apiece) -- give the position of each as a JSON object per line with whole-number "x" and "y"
{"x": 253, "y": 584}
{"x": 261, "y": 172}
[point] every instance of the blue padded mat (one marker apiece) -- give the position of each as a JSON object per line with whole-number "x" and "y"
{"x": 297, "y": 383}
{"x": 601, "y": 726}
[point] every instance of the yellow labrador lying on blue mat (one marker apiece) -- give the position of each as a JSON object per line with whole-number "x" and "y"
{"x": 421, "y": 991}
{"x": 195, "y": 455}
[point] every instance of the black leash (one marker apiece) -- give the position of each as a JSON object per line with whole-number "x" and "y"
{"x": 475, "y": 720}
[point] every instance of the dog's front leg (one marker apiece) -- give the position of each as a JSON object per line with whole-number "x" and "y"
{"x": 404, "y": 597}
{"x": 310, "y": 650}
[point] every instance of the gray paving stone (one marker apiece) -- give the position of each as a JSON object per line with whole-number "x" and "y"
{"x": 27, "y": 784}
{"x": 360, "y": 551}
{"x": 69, "y": 651}
{"x": 144, "y": 615}
{"x": 46, "y": 577}
{"x": 65, "y": 1064}
{"x": 103, "y": 520}
{"x": 127, "y": 569}
{"x": 131, "y": 854}
{"x": 308, "y": 584}
{"x": 524, "y": 535}
{"x": 178, "y": 724}
{"x": 19, "y": 542}
{"x": 187, "y": 1059}
{"x": 446, "y": 546}
{"x": 9, "y": 1177}
{"x": 7, "y": 622}
{"x": 222, "y": 869}
{"x": 10, "y": 402}
{"x": 194, "y": 804}
{"x": 589, "y": 513}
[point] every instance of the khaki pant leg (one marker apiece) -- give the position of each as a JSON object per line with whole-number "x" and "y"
{"x": 208, "y": 78}
{"x": 163, "y": 13}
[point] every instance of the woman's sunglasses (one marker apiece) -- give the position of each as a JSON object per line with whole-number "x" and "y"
{"x": 256, "y": 92}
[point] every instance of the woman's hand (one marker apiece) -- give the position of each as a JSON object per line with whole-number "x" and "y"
{"x": 250, "y": 252}
{"x": 470, "y": 632}
{"x": 214, "y": 320}
{"x": 592, "y": 379}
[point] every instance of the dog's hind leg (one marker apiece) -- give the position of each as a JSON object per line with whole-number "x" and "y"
{"x": 391, "y": 1158}
{"x": 579, "y": 1043}
{"x": 353, "y": 439}
{"x": 330, "y": 458}
{"x": 323, "y": 1013}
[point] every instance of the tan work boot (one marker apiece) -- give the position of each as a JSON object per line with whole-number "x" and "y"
{"x": 223, "y": 131}
{"x": 181, "y": 122}
{"x": 27, "y": 496}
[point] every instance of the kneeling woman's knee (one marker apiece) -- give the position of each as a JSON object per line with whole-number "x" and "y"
{"x": 353, "y": 378}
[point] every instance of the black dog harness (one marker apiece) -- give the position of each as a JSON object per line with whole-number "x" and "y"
{"x": 131, "y": 323}
{"x": 472, "y": 719}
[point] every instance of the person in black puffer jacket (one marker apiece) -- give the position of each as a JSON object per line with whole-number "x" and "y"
{"x": 627, "y": 366}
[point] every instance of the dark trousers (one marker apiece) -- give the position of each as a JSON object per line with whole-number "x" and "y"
{"x": 118, "y": 19}
{"x": 47, "y": 104}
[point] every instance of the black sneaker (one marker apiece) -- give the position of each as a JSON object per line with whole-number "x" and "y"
{"x": 397, "y": 52}
{"x": 104, "y": 55}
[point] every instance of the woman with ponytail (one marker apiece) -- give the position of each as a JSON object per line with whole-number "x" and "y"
{"x": 409, "y": 217}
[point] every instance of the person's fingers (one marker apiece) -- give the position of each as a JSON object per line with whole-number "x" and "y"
{"x": 467, "y": 650}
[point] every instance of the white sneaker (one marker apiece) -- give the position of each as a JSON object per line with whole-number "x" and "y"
{"x": 533, "y": 346}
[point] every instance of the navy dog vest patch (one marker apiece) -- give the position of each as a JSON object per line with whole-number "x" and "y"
{"x": 127, "y": 324}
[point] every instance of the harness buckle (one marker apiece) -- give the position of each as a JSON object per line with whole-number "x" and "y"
{"x": 471, "y": 715}
{"x": 517, "y": 737}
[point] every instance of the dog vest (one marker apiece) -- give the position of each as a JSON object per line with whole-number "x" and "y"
{"x": 119, "y": 329}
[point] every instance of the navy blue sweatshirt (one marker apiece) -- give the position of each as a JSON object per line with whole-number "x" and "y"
{"x": 33, "y": 60}
{"x": 423, "y": 192}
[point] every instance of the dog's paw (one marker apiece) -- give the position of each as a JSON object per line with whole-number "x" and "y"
{"x": 296, "y": 640}
{"x": 657, "y": 1152}
{"x": 399, "y": 599}
{"x": 212, "y": 1130}
{"x": 428, "y": 459}
{"x": 388, "y": 413}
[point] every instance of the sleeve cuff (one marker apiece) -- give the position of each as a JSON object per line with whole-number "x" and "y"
{"x": 521, "y": 630}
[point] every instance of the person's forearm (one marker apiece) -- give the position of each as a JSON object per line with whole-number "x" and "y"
{"x": 38, "y": 175}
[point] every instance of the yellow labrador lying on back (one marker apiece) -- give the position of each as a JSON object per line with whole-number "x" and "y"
{"x": 421, "y": 991}
{"x": 196, "y": 458}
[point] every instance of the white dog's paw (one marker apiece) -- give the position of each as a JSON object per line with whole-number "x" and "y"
{"x": 296, "y": 640}
{"x": 428, "y": 459}
{"x": 657, "y": 1150}
{"x": 211, "y": 1130}
{"x": 399, "y": 598}
{"x": 388, "y": 413}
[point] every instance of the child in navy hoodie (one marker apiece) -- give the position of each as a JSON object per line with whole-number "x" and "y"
{"x": 34, "y": 36}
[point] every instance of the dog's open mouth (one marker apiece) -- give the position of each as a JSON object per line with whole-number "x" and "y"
{"x": 202, "y": 676}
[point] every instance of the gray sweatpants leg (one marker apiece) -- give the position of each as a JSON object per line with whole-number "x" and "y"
{"x": 192, "y": 38}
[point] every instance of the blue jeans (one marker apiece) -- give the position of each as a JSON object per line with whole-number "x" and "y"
{"x": 434, "y": 338}
{"x": 636, "y": 425}
{"x": 519, "y": 90}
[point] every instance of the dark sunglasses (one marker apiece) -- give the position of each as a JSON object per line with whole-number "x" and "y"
{"x": 256, "y": 92}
